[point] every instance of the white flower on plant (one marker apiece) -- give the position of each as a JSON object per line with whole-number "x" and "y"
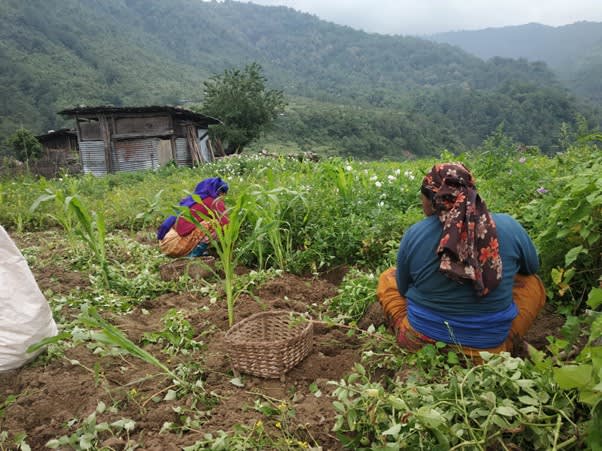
{"x": 348, "y": 168}
{"x": 391, "y": 178}
{"x": 373, "y": 178}
{"x": 397, "y": 171}
{"x": 378, "y": 184}
{"x": 381, "y": 204}
{"x": 408, "y": 174}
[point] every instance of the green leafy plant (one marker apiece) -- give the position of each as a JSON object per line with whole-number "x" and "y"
{"x": 503, "y": 401}
{"x": 89, "y": 432}
{"x": 150, "y": 209}
{"x": 585, "y": 373}
{"x": 276, "y": 433}
{"x": 356, "y": 294}
{"x": 186, "y": 378}
{"x": 25, "y": 145}
{"x": 177, "y": 336}
{"x": 18, "y": 442}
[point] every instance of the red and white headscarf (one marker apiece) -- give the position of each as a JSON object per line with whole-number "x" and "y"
{"x": 468, "y": 248}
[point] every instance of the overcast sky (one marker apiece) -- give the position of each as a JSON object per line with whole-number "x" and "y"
{"x": 418, "y": 17}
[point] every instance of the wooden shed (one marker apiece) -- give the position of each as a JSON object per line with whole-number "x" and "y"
{"x": 62, "y": 140}
{"x": 113, "y": 139}
{"x": 60, "y": 153}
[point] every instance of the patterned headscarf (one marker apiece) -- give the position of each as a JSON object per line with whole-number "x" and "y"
{"x": 211, "y": 187}
{"x": 468, "y": 247}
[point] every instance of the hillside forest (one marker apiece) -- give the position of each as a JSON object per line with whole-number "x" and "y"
{"x": 573, "y": 52}
{"x": 349, "y": 93}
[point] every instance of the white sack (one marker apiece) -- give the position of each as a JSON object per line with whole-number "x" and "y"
{"x": 25, "y": 317}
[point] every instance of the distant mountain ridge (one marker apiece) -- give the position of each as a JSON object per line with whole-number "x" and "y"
{"x": 573, "y": 51}
{"x": 390, "y": 93}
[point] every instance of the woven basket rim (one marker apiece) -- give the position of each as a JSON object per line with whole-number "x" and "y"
{"x": 236, "y": 327}
{"x": 269, "y": 357}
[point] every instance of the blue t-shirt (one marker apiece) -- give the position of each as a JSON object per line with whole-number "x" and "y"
{"x": 428, "y": 290}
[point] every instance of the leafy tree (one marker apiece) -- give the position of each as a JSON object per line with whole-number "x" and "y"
{"x": 239, "y": 98}
{"x": 24, "y": 145}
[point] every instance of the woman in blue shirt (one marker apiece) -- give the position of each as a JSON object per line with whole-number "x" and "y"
{"x": 464, "y": 276}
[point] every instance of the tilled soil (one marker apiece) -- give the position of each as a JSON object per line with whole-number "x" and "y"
{"x": 52, "y": 397}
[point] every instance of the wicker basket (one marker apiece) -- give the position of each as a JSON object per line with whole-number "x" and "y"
{"x": 269, "y": 344}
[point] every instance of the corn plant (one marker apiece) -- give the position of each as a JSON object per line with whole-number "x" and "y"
{"x": 268, "y": 214}
{"x": 61, "y": 213}
{"x": 111, "y": 335}
{"x": 92, "y": 231}
{"x": 186, "y": 378}
{"x": 225, "y": 240}
{"x": 75, "y": 218}
{"x": 342, "y": 177}
{"x": 18, "y": 214}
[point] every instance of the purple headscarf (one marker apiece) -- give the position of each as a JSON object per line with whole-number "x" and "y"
{"x": 211, "y": 187}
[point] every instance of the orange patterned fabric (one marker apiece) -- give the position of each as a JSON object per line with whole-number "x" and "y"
{"x": 174, "y": 245}
{"x": 528, "y": 294}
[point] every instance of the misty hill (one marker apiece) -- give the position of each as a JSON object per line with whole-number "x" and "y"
{"x": 573, "y": 51}
{"x": 352, "y": 92}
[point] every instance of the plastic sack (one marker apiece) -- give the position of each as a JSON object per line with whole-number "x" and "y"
{"x": 25, "y": 316}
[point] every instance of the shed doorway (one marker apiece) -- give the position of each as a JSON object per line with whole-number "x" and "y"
{"x": 165, "y": 153}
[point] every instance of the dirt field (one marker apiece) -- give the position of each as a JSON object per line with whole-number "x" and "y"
{"x": 49, "y": 395}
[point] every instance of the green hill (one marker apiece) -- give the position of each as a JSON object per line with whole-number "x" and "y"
{"x": 573, "y": 51}
{"x": 352, "y": 92}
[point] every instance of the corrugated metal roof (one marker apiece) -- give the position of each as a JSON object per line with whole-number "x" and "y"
{"x": 179, "y": 112}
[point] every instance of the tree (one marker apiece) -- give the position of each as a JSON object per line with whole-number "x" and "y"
{"x": 24, "y": 145}
{"x": 239, "y": 99}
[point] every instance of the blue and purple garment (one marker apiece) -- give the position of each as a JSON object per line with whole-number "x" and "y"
{"x": 211, "y": 187}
